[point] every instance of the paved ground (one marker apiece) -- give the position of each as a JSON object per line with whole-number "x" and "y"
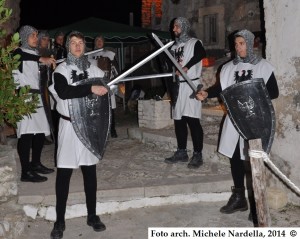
{"x": 134, "y": 168}
{"x": 134, "y": 223}
{"x": 161, "y": 195}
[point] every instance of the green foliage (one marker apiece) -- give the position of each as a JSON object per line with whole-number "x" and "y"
{"x": 14, "y": 104}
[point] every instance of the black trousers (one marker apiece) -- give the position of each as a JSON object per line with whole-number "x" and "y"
{"x": 237, "y": 166}
{"x": 27, "y": 142}
{"x": 55, "y": 119}
{"x": 62, "y": 185}
{"x": 196, "y": 130}
{"x": 239, "y": 170}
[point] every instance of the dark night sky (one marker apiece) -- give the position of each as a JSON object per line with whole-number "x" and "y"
{"x": 52, "y": 13}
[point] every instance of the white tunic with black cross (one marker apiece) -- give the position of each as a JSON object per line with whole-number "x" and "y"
{"x": 71, "y": 152}
{"x": 37, "y": 122}
{"x": 230, "y": 73}
{"x": 185, "y": 106}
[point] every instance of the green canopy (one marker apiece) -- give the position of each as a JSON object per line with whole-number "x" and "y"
{"x": 116, "y": 35}
{"x": 92, "y": 26}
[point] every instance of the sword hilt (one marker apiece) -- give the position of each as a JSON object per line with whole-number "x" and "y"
{"x": 105, "y": 82}
{"x": 193, "y": 95}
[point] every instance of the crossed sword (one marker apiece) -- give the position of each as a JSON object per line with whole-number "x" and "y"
{"x": 163, "y": 48}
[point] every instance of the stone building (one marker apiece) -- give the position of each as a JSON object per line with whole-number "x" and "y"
{"x": 279, "y": 20}
{"x": 212, "y": 21}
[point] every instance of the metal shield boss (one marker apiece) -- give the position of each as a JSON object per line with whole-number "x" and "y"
{"x": 91, "y": 118}
{"x": 251, "y": 111}
{"x": 45, "y": 73}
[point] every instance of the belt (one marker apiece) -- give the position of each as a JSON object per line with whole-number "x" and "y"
{"x": 65, "y": 118}
{"x": 181, "y": 81}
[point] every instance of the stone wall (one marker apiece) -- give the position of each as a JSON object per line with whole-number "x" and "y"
{"x": 12, "y": 216}
{"x": 154, "y": 114}
{"x": 151, "y": 9}
{"x": 231, "y": 15}
{"x": 282, "y": 50}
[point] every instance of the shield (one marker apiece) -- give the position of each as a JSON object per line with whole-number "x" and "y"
{"x": 251, "y": 111}
{"x": 45, "y": 73}
{"x": 91, "y": 118}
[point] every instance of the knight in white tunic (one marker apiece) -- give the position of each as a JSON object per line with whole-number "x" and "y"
{"x": 189, "y": 53}
{"x": 71, "y": 153}
{"x": 106, "y": 61}
{"x": 31, "y": 130}
{"x": 245, "y": 66}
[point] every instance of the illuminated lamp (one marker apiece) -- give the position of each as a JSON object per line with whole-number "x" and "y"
{"x": 208, "y": 61}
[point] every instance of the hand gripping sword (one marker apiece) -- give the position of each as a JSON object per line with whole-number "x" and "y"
{"x": 179, "y": 68}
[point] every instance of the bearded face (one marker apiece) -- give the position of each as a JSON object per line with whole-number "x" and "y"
{"x": 181, "y": 29}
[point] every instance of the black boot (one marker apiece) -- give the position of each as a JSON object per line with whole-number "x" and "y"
{"x": 236, "y": 202}
{"x": 95, "y": 222}
{"x": 31, "y": 176}
{"x": 40, "y": 168}
{"x": 58, "y": 230}
{"x": 179, "y": 156}
{"x": 196, "y": 160}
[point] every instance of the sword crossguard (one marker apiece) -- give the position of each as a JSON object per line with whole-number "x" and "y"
{"x": 107, "y": 87}
{"x": 193, "y": 95}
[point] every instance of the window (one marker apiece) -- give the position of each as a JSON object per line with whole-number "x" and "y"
{"x": 210, "y": 29}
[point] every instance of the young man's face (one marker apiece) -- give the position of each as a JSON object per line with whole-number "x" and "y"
{"x": 59, "y": 40}
{"x": 99, "y": 43}
{"x": 33, "y": 40}
{"x": 44, "y": 42}
{"x": 240, "y": 47}
{"x": 76, "y": 46}
{"x": 176, "y": 30}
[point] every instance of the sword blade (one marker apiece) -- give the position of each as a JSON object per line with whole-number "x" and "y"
{"x": 146, "y": 77}
{"x": 86, "y": 54}
{"x": 179, "y": 67}
{"x": 126, "y": 73}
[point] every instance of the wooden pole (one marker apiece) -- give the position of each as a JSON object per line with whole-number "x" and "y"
{"x": 259, "y": 185}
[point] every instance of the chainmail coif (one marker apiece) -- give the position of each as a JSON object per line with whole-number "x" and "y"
{"x": 185, "y": 27}
{"x": 251, "y": 57}
{"x": 43, "y": 34}
{"x": 25, "y": 32}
